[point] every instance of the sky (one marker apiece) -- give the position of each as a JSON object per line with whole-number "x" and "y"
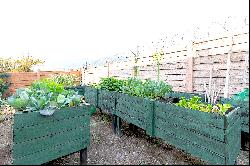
{"x": 67, "y": 33}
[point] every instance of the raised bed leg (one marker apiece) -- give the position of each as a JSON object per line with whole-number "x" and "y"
{"x": 245, "y": 141}
{"x": 102, "y": 114}
{"x": 118, "y": 126}
{"x": 132, "y": 127}
{"x": 83, "y": 156}
{"x": 113, "y": 125}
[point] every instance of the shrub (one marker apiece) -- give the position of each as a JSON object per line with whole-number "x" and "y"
{"x": 4, "y": 83}
{"x": 65, "y": 79}
{"x": 23, "y": 64}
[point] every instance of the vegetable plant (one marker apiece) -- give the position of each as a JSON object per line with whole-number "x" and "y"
{"x": 195, "y": 103}
{"x": 135, "y": 87}
{"x": 43, "y": 94}
{"x": 111, "y": 84}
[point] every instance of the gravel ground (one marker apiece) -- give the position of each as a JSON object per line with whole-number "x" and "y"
{"x": 132, "y": 148}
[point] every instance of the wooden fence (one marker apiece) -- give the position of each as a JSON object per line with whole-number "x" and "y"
{"x": 25, "y": 79}
{"x": 186, "y": 69}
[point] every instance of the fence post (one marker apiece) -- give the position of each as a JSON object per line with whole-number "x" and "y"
{"x": 190, "y": 65}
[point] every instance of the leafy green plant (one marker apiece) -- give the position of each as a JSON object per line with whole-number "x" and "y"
{"x": 135, "y": 87}
{"x": 146, "y": 88}
{"x": 195, "y": 103}
{"x": 43, "y": 94}
{"x": 111, "y": 84}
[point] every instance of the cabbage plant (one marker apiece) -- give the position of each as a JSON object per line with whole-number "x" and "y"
{"x": 44, "y": 94}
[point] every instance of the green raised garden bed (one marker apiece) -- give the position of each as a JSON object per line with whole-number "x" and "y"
{"x": 211, "y": 137}
{"x": 107, "y": 100}
{"x": 79, "y": 89}
{"x": 38, "y": 139}
{"x": 176, "y": 95}
{"x": 136, "y": 110}
{"x": 91, "y": 95}
{"x": 244, "y": 111}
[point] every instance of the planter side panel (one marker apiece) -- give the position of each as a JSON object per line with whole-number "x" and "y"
{"x": 91, "y": 96}
{"x": 244, "y": 111}
{"x": 37, "y": 143}
{"x": 233, "y": 136}
{"x": 79, "y": 89}
{"x": 135, "y": 110}
{"x": 204, "y": 137}
{"x": 187, "y": 95}
{"x": 107, "y": 101}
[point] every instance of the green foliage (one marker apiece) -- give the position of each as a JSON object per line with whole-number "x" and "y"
{"x": 195, "y": 103}
{"x": 4, "y": 83}
{"x": 65, "y": 79}
{"x": 43, "y": 94}
{"x": 146, "y": 88}
{"x": 135, "y": 87}
{"x": 23, "y": 64}
{"x": 111, "y": 84}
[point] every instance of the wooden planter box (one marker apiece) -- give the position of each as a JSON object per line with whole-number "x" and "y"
{"x": 178, "y": 95}
{"x": 244, "y": 112}
{"x": 211, "y": 137}
{"x": 38, "y": 139}
{"x": 91, "y": 95}
{"x": 135, "y": 110}
{"x": 107, "y": 100}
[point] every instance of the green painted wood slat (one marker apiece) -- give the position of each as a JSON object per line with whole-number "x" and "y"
{"x": 33, "y": 132}
{"x": 107, "y": 100}
{"x": 40, "y": 143}
{"x": 194, "y": 137}
{"x": 31, "y": 146}
{"x": 193, "y": 115}
{"x": 52, "y": 153}
{"x": 91, "y": 95}
{"x": 27, "y": 119}
{"x": 201, "y": 128}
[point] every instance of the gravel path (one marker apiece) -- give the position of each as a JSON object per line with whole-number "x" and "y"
{"x": 132, "y": 148}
